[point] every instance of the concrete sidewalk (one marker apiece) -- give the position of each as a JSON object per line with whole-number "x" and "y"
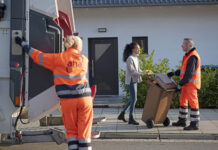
{"x": 116, "y": 129}
{"x": 113, "y": 128}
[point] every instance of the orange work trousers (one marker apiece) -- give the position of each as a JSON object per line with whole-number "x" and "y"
{"x": 189, "y": 95}
{"x": 77, "y": 114}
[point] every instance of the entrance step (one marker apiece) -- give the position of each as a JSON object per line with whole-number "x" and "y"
{"x": 57, "y": 120}
{"x": 104, "y": 101}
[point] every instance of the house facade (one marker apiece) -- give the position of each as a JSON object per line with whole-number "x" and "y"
{"x": 106, "y": 26}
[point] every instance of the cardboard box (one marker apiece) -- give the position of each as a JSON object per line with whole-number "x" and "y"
{"x": 157, "y": 103}
{"x": 164, "y": 81}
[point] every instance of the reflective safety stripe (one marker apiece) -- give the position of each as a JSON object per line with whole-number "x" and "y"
{"x": 198, "y": 72}
{"x": 69, "y": 76}
{"x": 183, "y": 116}
{"x": 85, "y": 148}
{"x": 72, "y": 143}
{"x": 73, "y": 147}
{"x": 84, "y": 140}
{"x": 183, "y": 110}
{"x": 31, "y": 51}
{"x": 74, "y": 92}
{"x": 195, "y": 113}
{"x": 194, "y": 80}
{"x": 194, "y": 119}
{"x": 41, "y": 59}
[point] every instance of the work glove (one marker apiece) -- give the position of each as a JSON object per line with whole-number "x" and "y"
{"x": 18, "y": 40}
{"x": 170, "y": 74}
{"x": 22, "y": 42}
{"x": 177, "y": 72}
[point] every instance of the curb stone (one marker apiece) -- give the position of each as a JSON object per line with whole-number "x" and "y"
{"x": 134, "y": 135}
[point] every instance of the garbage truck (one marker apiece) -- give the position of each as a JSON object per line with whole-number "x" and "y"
{"x": 23, "y": 84}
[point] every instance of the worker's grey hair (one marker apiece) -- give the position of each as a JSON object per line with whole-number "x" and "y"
{"x": 72, "y": 41}
{"x": 189, "y": 41}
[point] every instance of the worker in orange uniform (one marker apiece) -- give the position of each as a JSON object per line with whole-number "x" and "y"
{"x": 69, "y": 69}
{"x": 190, "y": 75}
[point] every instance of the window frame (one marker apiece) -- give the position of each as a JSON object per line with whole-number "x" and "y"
{"x": 145, "y": 42}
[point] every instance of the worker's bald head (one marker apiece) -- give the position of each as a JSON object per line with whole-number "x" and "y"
{"x": 73, "y": 42}
{"x": 187, "y": 44}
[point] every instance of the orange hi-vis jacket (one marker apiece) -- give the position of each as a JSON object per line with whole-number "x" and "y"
{"x": 69, "y": 69}
{"x": 196, "y": 75}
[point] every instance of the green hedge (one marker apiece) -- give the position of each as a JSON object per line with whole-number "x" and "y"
{"x": 208, "y": 95}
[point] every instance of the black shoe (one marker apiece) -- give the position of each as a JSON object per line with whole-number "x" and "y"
{"x": 194, "y": 125}
{"x": 179, "y": 123}
{"x": 191, "y": 128}
{"x": 122, "y": 117}
{"x": 132, "y": 121}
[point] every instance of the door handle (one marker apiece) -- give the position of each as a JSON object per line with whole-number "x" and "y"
{"x": 59, "y": 33}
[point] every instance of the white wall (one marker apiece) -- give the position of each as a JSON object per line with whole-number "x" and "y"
{"x": 165, "y": 27}
{"x": 5, "y": 43}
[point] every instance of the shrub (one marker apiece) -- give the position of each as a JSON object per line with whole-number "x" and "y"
{"x": 208, "y": 95}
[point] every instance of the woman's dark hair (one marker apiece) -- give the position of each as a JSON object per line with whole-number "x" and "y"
{"x": 128, "y": 50}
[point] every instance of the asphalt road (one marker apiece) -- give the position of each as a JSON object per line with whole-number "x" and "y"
{"x": 115, "y": 144}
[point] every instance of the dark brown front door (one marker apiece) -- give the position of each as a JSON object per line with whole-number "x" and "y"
{"x": 103, "y": 65}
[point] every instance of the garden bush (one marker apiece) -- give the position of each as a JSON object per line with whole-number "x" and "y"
{"x": 208, "y": 95}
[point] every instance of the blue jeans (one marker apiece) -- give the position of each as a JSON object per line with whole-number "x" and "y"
{"x": 133, "y": 98}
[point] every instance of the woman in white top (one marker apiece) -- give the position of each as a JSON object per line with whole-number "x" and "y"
{"x": 133, "y": 76}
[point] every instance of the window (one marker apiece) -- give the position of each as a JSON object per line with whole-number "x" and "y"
{"x": 143, "y": 42}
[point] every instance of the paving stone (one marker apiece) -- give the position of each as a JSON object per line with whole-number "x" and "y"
{"x": 126, "y": 127}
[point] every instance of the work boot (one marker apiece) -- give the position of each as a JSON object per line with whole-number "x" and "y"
{"x": 179, "y": 123}
{"x": 132, "y": 121}
{"x": 122, "y": 117}
{"x": 193, "y": 126}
